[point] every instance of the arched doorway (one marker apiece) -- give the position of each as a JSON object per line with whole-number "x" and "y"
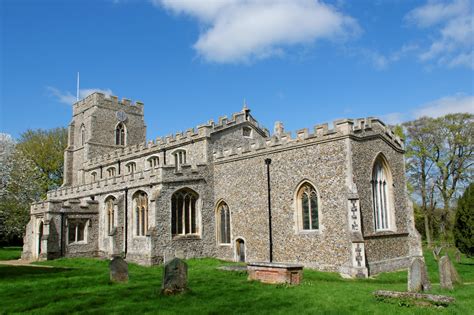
{"x": 240, "y": 250}
{"x": 40, "y": 236}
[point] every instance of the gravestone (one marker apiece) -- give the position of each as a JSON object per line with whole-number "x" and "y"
{"x": 418, "y": 276}
{"x": 118, "y": 269}
{"x": 436, "y": 252}
{"x": 448, "y": 276}
{"x": 458, "y": 256}
{"x": 175, "y": 277}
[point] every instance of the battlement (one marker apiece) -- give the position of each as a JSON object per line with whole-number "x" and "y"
{"x": 358, "y": 127}
{"x": 100, "y": 99}
{"x": 175, "y": 140}
{"x": 141, "y": 178}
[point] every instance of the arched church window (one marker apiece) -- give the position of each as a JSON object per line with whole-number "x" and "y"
{"x": 153, "y": 162}
{"x": 93, "y": 176}
{"x": 120, "y": 133}
{"x": 111, "y": 172}
{"x": 109, "y": 207}
{"x": 381, "y": 194}
{"x": 179, "y": 158}
{"x": 308, "y": 207}
{"x": 140, "y": 206}
{"x": 223, "y": 223}
{"x": 131, "y": 167}
{"x": 184, "y": 212}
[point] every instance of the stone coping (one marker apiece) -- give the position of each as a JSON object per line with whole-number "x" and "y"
{"x": 275, "y": 265}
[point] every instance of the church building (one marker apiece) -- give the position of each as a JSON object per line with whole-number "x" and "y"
{"x": 337, "y": 194}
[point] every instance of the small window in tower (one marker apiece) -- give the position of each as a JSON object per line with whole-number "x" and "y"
{"x": 179, "y": 158}
{"x": 120, "y": 134}
{"x": 247, "y": 132}
{"x": 83, "y": 135}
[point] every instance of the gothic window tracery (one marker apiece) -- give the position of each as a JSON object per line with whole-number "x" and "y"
{"x": 381, "y": 195}
{"x": 308, "y": 208}
{"x": 120, "y": 134}
{"x": 109, "y": 206}
{"x": 223, "y": 223}
{"x": 184, "y": 212}
{"x": 140, "y": 206}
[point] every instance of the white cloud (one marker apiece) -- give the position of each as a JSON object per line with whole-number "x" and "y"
{"x": 239, "y": 31}
{"x": 68, "y": 98}
{"x": 458, "y": 103}
{"x": 453, "y": 23}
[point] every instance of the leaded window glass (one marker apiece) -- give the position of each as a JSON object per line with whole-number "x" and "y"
{"x": 184, "y": 214}
{"x": 223, "y": 223}
{"x": 308, "y": 207}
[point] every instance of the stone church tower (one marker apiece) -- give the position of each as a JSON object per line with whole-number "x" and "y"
{"x": 100, "y": 125}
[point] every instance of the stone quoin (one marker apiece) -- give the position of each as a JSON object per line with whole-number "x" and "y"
{"x": 338, "y": 194}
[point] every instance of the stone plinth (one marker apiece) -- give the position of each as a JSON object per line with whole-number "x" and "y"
{"x": 275, "y": 272}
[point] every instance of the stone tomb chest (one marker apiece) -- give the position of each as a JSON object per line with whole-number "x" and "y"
{"x": 275, "y": 272}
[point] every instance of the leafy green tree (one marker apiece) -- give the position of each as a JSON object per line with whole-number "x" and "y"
{"x": 464, "y": 222}
{"x": 45, "y": 148}
{"x": 420, "y": 143}
{"x": 454, "y": 158}
{"x": 28, "y": 170}
{"x": 440, "y": 155}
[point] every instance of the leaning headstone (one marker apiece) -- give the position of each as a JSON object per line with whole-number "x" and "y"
{"x": 458, "y": 256}
{"x": 418, "y": 276}
{"x": 448, "y": 276}
{"x": 436, "y": 252}
{"x": 175, "y": 277}
{"x": 118, "y": 269}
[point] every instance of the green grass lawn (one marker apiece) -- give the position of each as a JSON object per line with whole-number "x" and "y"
{"x": 82, "y": 285}
{"x": 10, "y": 253}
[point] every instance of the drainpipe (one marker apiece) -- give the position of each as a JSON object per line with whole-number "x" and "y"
{"x": 126, "y": 221}
{"x": 61, "y": 233}
{"x": 268, "y": 162}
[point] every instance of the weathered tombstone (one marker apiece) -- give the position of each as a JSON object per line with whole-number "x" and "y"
{"x": 448, "y": 276}
{"x": 436, "y": 252}
{"x": 118, "y": 269}
{"x": 418, "y": 276}
{"x": 175, "y": 277}
{"x": 458, "y": 256}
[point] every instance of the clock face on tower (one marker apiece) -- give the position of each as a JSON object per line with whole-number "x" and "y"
{"x": 121, "y": 116}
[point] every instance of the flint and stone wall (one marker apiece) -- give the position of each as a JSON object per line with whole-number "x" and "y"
{"x": 223, "y": 165}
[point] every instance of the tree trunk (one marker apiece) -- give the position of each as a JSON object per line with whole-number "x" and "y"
{"x": 427, "y": 230}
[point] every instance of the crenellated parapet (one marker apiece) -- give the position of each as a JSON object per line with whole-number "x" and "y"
{"x": 357, "y": 128}
{"x": 138, "y": 179}
{"x": 169, "y": 142}
{"x": 100, "y": 99}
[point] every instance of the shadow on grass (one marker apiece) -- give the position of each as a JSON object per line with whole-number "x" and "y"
{"x": 9, "y": 272}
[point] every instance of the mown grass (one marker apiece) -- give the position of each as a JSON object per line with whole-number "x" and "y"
{"x": 82, "y": 285}
{"x": 10, "y": 253}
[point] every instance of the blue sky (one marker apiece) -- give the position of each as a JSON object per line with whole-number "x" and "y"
{"x": 302, "y": 62}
